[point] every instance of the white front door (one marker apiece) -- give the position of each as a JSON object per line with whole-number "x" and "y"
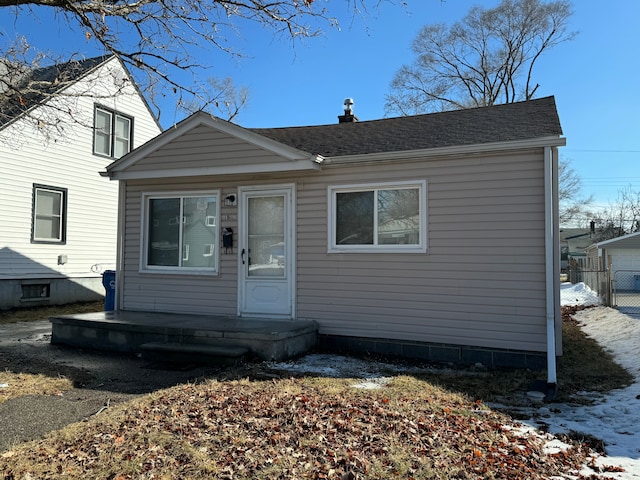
{"x": 266, "y": 263}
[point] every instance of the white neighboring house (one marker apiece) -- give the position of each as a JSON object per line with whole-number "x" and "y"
{"x": 58, "y": 230}
{"x": 621, "y": 256}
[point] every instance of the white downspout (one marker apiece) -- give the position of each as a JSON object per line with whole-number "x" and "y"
{"x": 550, "y": 273}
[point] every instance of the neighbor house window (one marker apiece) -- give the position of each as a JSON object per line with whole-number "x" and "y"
{"x": 178, "y": 233}
{"x": 378, "y": 218}
{"x": 112, "y": 133}
{"x": 49, "y": 214}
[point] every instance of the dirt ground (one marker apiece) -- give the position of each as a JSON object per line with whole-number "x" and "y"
{"x": 101, "y": 380}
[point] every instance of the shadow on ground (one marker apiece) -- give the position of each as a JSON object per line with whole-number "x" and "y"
{"x": 100, "y": 380}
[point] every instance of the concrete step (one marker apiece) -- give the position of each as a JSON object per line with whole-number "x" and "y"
{"x": 172, "y": 352}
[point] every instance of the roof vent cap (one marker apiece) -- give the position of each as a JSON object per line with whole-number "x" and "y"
{"x": 348, "y": 116}
{"x": 348, "y": 104}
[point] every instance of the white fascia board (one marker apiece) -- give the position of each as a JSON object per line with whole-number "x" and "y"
{"x": 307, "y": 164}
{"x": 552, "y": 141}
{"x": 199, "y": 119}
{"x": 622, "y": 239}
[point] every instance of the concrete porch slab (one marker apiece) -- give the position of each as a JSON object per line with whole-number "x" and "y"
{"x": 126, "y": 331}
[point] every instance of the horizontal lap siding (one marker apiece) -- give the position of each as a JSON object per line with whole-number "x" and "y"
{"x": 481, "y": 282}
{"x": 198, "y": 294}
{"x": 203, "y": 147}
{"x": 66, "y": 162}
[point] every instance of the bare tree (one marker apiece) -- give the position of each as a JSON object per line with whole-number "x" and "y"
{"x": 573, "y": 206}
{"x": 55, "y": 90}
{"x": 158, "y": 40}
{"x": 226, "y": 102}
{"x": 619, "y": 218}
{"x": 485, "y": 59}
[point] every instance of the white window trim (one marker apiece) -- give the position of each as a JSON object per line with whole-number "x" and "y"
{"x": 209, "y": 250}
{"x": 60, "y": 239}
{"x": 144, "y": 229}
{"x": 332, "y": 190}
{"x": 112, "y": 133}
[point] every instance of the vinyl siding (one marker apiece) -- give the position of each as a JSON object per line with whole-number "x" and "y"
{"x": 204, "y": 294}
{"x": 203, "y": 147}
{"x": 481, "y": 282}
{"x": 66, "y": 162}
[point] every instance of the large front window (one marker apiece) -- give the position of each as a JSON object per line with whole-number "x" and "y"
{"x": 380, "y": 217}
{"x": 49, "y": 214}
{"x": 112, "y": 133}
{"x": 181, "y": 232}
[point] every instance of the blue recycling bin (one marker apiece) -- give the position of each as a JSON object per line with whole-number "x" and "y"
{"x": 109, "y": 283}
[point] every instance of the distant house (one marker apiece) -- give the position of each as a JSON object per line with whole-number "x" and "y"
{"x": 621, "y": 257}
{"x": 573, "y": 245}
{"x": 431, "y": 236}
{"x": 58, "y": 230}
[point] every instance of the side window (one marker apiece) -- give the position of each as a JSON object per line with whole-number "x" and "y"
{"x": 178, "y": 233}
{"x": 112, "y": 133}
{"x": 378, "y": 218}
{"x": 49, "y": 220}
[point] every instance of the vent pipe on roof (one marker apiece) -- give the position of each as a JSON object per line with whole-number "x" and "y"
{"x": 348, "y": 116}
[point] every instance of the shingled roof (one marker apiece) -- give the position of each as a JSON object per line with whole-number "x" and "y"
{"x": 499, "y": 123}
{"x": 46, "y": 81}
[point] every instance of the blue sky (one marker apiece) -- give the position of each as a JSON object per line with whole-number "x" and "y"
{"x": 595, "y": 78}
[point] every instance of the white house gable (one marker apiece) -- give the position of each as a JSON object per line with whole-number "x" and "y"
{"x": 59, "y": 219}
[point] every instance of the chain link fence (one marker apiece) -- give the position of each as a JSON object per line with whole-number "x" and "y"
{"x": 596, "y": 280}
{"x": 619, "y": 290}
{"x": 625, "y": 286}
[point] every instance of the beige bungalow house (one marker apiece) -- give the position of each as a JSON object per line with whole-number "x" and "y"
{"x": 432, "y": 236}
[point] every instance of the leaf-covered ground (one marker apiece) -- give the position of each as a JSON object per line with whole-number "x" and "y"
{"x": 307, "y": 428}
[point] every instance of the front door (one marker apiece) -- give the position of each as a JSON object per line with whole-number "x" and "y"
{"x": 266, "y": 282}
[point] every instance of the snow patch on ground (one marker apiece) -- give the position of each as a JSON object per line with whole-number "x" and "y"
{"x": 578, "y": 294}
{"x": 614, "y": 418}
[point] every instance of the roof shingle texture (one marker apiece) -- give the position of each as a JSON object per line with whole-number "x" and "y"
{"x": 499, "y": 123}
{"x": 49, "y": 80}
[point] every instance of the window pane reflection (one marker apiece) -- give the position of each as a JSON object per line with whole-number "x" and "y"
{"x": 266, "y": 240}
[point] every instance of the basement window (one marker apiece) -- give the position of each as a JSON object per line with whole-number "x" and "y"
{"x": 37, "y": 291}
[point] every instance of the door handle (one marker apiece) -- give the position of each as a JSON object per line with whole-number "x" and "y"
{"x": 242, "y": 256}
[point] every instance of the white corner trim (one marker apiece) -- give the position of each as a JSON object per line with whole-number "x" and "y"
{"x": 550, "y": 273}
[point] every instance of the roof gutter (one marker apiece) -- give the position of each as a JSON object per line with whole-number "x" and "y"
{"x": 313, "y": 162}
{"x": 549, "y": 141}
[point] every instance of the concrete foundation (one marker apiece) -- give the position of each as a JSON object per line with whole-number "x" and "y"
{"x": 32, "y": 292}
{"x": 125, "y": 331}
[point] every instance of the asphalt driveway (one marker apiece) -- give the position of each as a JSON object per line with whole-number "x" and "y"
{"x": 101, "y": 380}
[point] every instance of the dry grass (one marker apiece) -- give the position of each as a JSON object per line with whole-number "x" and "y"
{"x": 585, "y": 366}
{"x": 434, "y": 426}
{"x": 306, "y": 428}
{"x": 43, "y": 313}
{"x": 19, "y": 384}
